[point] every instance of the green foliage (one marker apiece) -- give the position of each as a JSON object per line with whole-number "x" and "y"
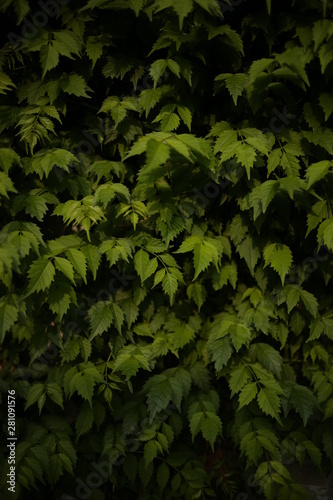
{"x": 279, "y": 257}
{"x": 166, "y": 247}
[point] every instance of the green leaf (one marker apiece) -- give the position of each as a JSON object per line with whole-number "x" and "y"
{"x": 325, "y": 56}
{"x": 7, "y": 158}
{"x": 55, "y": 393}
{"x": 104, "y": 168}
{"x": 310, "y": 301}
{"x": 211, "y": 427}
{"x": 180, "y": 147}
{"x": 138, "y": 147}
{"x": 249, "y": 251}
{"x": 329, "y": 409}
{"x": 35, "y": 392}
{"x": 317, "y": 171}
{"x": 170, "y": 283}
{"x": 176, "y": 482}
{"x": 44, "y": 160}
{"x": 160, "y": 393}
{"x": 137, "y": 5}
{"x": 41, "y": 274}
{"x": 230, "y": 37}
{"x": 247, "y": 394}
{"x": 75, "y": 85}
{"x": 85, "y": 348}
{"x": 196, "y": 144}
{"x": 78, "y": 261}
{"x": 322, "y": 137}
{"x": 150, "y": 452}
{"x": 325, "y": 233}
{"x": 228, "y": 273}
{"x": 116, "y": 249}
{"x": 237, "y": 229}
{"x": 274, "y": 159}
{"x": 174, "y": 67}
{"x": 101, "y": 318}
{"x": 279, "y": 257}
{"x": 234, "y": 83}
{"x": 185, "y": 115}
{"x": 93, "y": 258}
{"x": 170, "y": 122}
{"x": 197, "y": 292}
{"x": 23, "y": 241}
{"x": 157, "y": 246}
{"x": 159, "y": 276}
{"x": 71, "y": 349}
{"x": 316, "y": 214}
{"x": 162, "y": 475}
{"x": 94, "y": 50}
{"x": 182, "y": 336}
{"x": 182, "y": 9}
{"x": 326, "y": 102}
{"x": 49, "y": 58}
{"x": 130, "y": 310}
{"x": 269, "y": 402}
{"x": 238, "y": 378}
{"x": 204, "y": 252}
{"x": 246, "y": 156}
{"x": 157, "y": 154}
{"x": 157, "y": 69}
{"x": 261, "y": 196}
{"x": 67, "y": 43}
{"x": 258, "y": 67}
{"x": 150, "y": 97}
{"x": 6, "y": 185}
{"x": 5, "y": 84}
{"x": 195, "y": 423}
{"x": 8, "y": 317}
{"x": 84, "y": 420}
{"x": 240, "y": 335}
{"x": 60, "y": 297}
{"x": 55, "y": 468}
{"x": 130, "y": 359}
{"x": 65, "y": 267}
{"x": 107, "y": 192}
{"x": 84, "y": 381}
{"x": 84, "y": 384}
{"x": 294, "y": 58}
{"x": 313, "y": 451}
{"x": 118, "y": 113}
{"x": 220, "y": 351}
{"x": 118, "y": 316}
{"x": 251, "y": 446}
{"x": 34, "y": 203}
{"x": 145, "y": 473}
{"x": 300, "y": 398}
{"x": 143, "y": 265}
{"x": 268, "y": 357}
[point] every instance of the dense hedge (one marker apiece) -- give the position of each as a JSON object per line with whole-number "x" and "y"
{"x": 166, "y": 247}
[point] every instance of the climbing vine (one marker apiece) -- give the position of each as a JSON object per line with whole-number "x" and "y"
{"x": 166, "y": 247}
